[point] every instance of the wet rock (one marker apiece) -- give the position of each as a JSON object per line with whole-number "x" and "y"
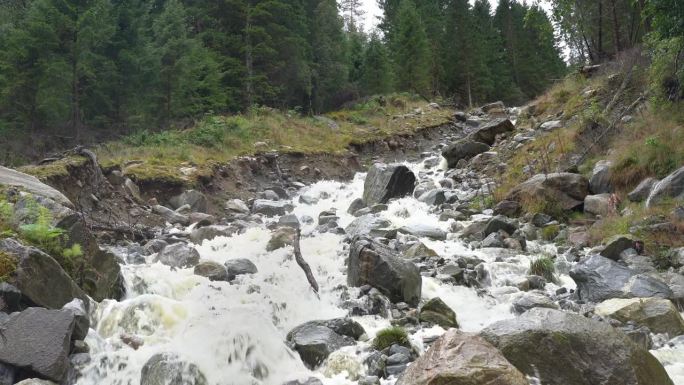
{"x": 212, "y": 270}
{"x": 422, "y": 230}
{"x": 599, "y": 183}
{"x": 308, "y": 381}
{"x": 202, "y": 219}
{"x": 434, "y": 197}
{"x": 208, "y": 233}
{"x": 487, "y": 133}
{"x": 237, "y": 206}
{"x": 643, "y": 190}
{"x": 240, "y": 266}
{"x": 616, "y": 245}
{"x": 366, "y": 225}
{"x": 435, "y": 311}
{"x": 463, "y": 149}
{"x": 171, "y": 216}
{"x": 659, "y": 315}
{"x": 531, "y": 300}
{"x": 567, "y": 349}
{"x": 35, "y": 381}
{"x": 289, "y": 220}
{"x": 671, "y": 187}
{"x": 419, "y": 250}
{"x": 193, "y": 198}
{"x": 169, "y": 369}
{"x": 551, "y": 125}
{"x": 271, "y": 208}
{"x": 541, "y": 219}
{"x": 178, "y": 255}
{"x": 154, "y": 246}
{"x": 269, "y": 195}
{"x": 498, "y": 223}
{"x": 81, "y": 318}
{"x": 566, "y": 189}
{"x": 493, "y": 240}
{"x": 8, "y": 374}
{"x": 507, "y": 208}
{"x": 463, "y": 359}
{"x": 38, "y": 340}
{"x": 598, "y": 204}
{"x": 356, "y": 205}
{"x": 599, "y": 278}
{"x": 372, "y": 263}
{"x": 314, "y": 342}
{"x": 385, "y": 182}
{"x": 34, "y": 269}
{"x": 282, "y": 237}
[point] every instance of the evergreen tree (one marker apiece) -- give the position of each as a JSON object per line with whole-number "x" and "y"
{"x": 330, "y": 70}
{"x": 377, "y": 68}
{"x": 411, "y": 50}
{"x": 460, "y": 61}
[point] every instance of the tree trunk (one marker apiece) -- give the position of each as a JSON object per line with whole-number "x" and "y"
{"x": 600, "y": 31}
{"x": 616, "y": 28}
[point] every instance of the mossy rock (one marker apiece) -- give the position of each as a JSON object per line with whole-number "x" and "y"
{"x": 56, "y": 169}
{"x": 437, "y": 312}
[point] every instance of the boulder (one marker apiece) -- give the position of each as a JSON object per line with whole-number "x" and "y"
{"x": 38, "y": 340}
{"x": 434, "y": 197}
{"x": 35, "y": 381}
{"x": 366, "y": 225}
{"x": 171, "y": 216}
{"x": 282, "y": 237}
{"x": 419, "y": 250}
{"x": 531, "y": 300}
{"x": 81, "y": 318}
{"x": 500, "y": 222}
{"x": 384, "y": 182}
{"x": 643, "y": 190}
{"x": 615, "y": 245}
{"x": 671, "y": 187}
{"x": 239, "y": 266}
{"x": 289, "y": 220}
{"x": 659, "y": 315}
{"x": 566, "y": 189}
{"x": 599, "y": 278}
{"x": 212, "y": 270}
{"x": 169, "y": 369}
{"x": 498, "y": 107}
{"x": 34, "y": 269}
{"x": 208, "y": 233}
{"x": 315, "y": 340}
{"x": 178, "y": 255}
{"x": 462, "y": 359}
{"x": 195, "y": 199}
{"x": 10, "y": 298}
{"x": 133, "y": 190}
{"x": 551, "y": 125}
{"x": 493, "y": 240}
{"x": 463, "y": 149}
{"x": 487, "y": 133}
{"x": 507, "y": 208}
{"x": 271, "y": 208}
{"x": 237, "y": 206}
{"x": 598, "y": 204}
{"x": 372, "y": 263}
{"x": 356, "y": 205}
{"x": 423, "y": 230}
{"x": 599, "y": 183}
{"x": 435, "y": 311}
{"x": 563, "y": 348}
{"x": 9, "y": 177}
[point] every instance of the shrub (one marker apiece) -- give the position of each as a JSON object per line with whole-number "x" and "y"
{"x": 543, "y": 267}
{"x": 390, "y": 336}
{"x": 549, "y": 233}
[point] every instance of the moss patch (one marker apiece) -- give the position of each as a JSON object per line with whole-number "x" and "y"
{"x": 56, "y": 169}
{"x": 8, "y": 265}
{"x": 390, "y": 336}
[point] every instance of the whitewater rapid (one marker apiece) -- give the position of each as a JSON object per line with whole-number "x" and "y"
{"x": 235, "y": 332}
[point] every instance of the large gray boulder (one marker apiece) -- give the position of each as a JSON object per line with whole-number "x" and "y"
{"x": 487, "y": 133}
{"x": 463, "y": 149}
{"x": 39, "y": 278}
{"x": 38, "y": 340}
{"x": 372, "y": 263}
{"x": 315, "y": 340}
{"x": 671, "y": 187}
{"x": 599, "y": 204}
{"x": 600, "y": 183}
{"x": 271, "y": 208}
{"x": 643, "y": 190}
{"x": 169, "y": 369}
{"x": 171, "y": 216}
{"x": 367, "y": 225}
{"x": 437, "y": 312}
{"x": 239, "y": 266}
{"x": 9, "y": 177}
{"x": 423, "y": 230}
{"x": 659, "y": 315}
{"x": 615, "y": 245}
{"x": 384, "y": 182}
{"x": 567, "y": 190}
{"x": 563, "y": 348}
{"x": 599, "y": 278}
{"x": 462, "y": 359}
{"x": 178, "y": 255}
{"x": 214, "y": 271}
{"x": 193, "y": 198}
{"x": 500, "y": 222}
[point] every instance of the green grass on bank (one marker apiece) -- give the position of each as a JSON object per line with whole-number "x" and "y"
{"x": 184, "y": 156}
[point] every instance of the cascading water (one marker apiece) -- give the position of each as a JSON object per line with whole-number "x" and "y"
{"x": 235, "y": 332}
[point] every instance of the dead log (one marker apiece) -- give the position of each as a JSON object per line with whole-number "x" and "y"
{"x": 302, "y": 263}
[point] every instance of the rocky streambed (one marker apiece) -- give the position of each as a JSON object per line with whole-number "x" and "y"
{"x": 418, "y": 284}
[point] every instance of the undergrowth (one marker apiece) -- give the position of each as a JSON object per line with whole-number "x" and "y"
{"x": 543, "y": 267}
{"x": 390, "y": 336}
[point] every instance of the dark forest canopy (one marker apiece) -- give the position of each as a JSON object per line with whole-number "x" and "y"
{"x": 67, "y": 66}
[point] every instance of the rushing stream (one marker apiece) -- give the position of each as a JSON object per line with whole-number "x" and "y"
{"x": 235, "y": 332}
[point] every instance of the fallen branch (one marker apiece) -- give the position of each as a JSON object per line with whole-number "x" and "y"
{"x": 302, "y": 263}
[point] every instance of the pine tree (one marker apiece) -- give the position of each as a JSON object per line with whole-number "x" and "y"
{"x": 411, "y": 50}
{"x": 352, "y": 11}
{"x": 459, "y": 61}
{"x": 377, "y": 68}
{"x": 330, "y": 70}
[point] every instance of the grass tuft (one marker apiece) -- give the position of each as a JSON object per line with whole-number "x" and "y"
{"x": 543, "y": 267}
{"x": 390, "y": 336}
